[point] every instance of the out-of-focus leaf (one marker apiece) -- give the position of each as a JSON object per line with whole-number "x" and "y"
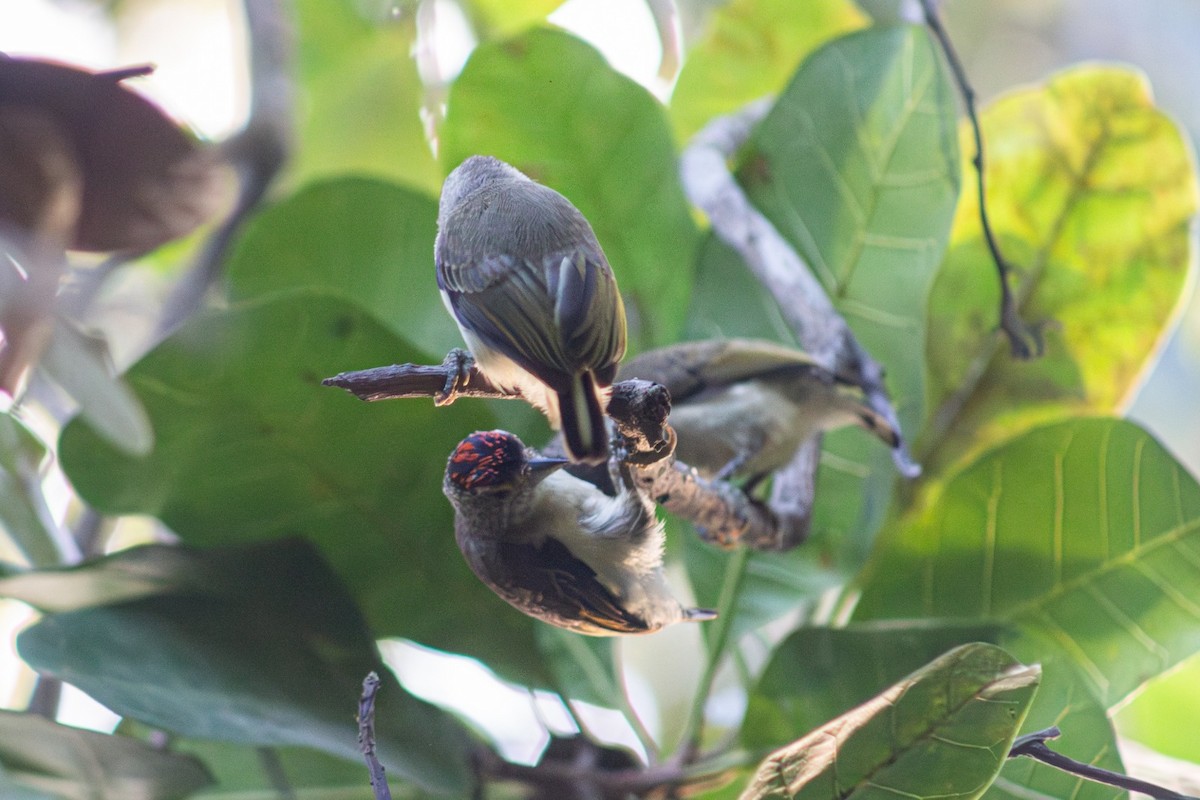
{"x": 269, "y": 649}
{"x": 144, "y": 180}
{"x": 360, "y": 97}
{"x": 944, "y": 731}
{"x": 23, "y": 512}
{"x": 551, "y": 106}
{"x": 80, "y": 364}
{"x": 367, "y": 239}
{"x": 1162, "y": 714}
{"x": 1092, "y": 192}
{"x": 819, "y": 673}
{"x": 749, "y": 50}
{"x": 583, "y": 666}
{"x": 41, "y": 759}
{"x": 1085, "y": 532}
{"x": 250, "y": 445}
{"x": 494, "y": 18}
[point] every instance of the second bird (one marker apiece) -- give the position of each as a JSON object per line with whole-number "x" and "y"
{"x": 521, "y": 271}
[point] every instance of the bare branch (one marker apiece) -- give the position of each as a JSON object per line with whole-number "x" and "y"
{"x": 366, "y": 737}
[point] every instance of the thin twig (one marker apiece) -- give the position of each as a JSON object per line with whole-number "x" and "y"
{"x": 1025, "y": 339}
{"x": 1034, "y": 746}
{"x": 366, "y": 736}
{"x": 272, "y": 764}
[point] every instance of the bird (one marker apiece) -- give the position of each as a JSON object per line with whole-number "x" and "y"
{"x": 521, "y": 272}
{"x": 556, "y": 547}
{"x": 741, "y": 407}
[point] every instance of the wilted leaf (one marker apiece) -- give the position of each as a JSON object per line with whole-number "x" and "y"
{"x": 552, "y": 107}
{"x": 1092, "y": 191}
{"x": 266, "y": 649}
{"x": 366, "y": 239}
{"x": 944, "y": 731}
{"x": 144, "y": 180}
{"x": 1085, "y": 532}
{"x": 249, "y": 445}
{"x": 39, "y": 758}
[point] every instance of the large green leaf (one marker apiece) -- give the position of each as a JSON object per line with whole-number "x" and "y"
{"x": 819, "y": 673}
{"x": 23, "y": 512}
{"x": 944, "y": 731}
{"x": 749, "y": 49}
{"x": 41, "y": 759}
{"x": 359, "y": 97}
{"x": 1092, "y": 192}
{"x": 367, "y": 239}
{"x": 1163, "y": 713}
{"x": 259, "y": 645}
{"x": 249, "y": 445}
{"x": 552, "y": 107}
{"x": 1086, "y": 533}
{"x": 499, "y": 17}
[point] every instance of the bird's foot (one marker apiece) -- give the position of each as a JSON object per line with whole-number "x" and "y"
{"x": 457, "y": 364}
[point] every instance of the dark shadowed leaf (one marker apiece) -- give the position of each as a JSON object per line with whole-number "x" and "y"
{"x": 41, "y": 759}
{"x": 1085, "y": 532}
{"x": 257, "y": 645}
{"x": 944, "y": 731}
{"x": 552, "y": 107}
{"x": 249, "y": 445}
{"x": 369, "y": 240}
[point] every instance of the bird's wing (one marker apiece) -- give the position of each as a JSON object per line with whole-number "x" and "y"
{"x": 689, "y": 368}
{"x": 566, "y": 589}
{"x": 554, "y": 317}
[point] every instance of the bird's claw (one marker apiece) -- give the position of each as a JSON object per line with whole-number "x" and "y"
{"x": 457, "y": 364}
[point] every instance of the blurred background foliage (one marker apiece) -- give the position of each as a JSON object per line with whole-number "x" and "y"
{"x": 1058, "y": 516}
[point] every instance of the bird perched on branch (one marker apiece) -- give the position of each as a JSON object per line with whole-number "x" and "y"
{"x": 555, "y": 547}
{"x": 521, "y": 271}
{"x": 741, "y": 407}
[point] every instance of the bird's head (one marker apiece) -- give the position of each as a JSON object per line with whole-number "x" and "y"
{"x": 495, "y": 464}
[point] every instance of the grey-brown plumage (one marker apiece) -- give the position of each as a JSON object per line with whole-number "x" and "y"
{"x": 521, "y": 271}
{"x": 741, "y": 407}
{"x": 556, "y": 547}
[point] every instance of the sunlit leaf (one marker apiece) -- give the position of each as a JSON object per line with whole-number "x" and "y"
{"x": 1086, "y": 533}
{"x": 366, "y": 239}
{"x": 250, "y": 445}
{"x": 360, "y": 97}
{"x": 268, "y": 649}
{"x": 501, "y": 17}
{"x": 41, "y": 759}
{"x": 944, "y": 731}
{"x": 552, "y": 107}
{"x": 749, "y": 50}
{"x": 1092, "y": 191}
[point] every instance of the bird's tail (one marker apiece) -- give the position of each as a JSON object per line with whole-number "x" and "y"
{"x": 698, "y": 614}
{"x": 583, "y": 426}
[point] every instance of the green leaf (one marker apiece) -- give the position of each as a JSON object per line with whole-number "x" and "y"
{"x": 367, "y": 239}
{"x": 749, "y": 50}
{"x": 552, "y": 107}
{"x": 819, "y": 673}
{"x": 1086, "y": 533}
{"x": 23, "y": 512}
{"x": 1163, "y": 713}
{"x": 1092, "y": 192}
{"x": 80, "y": 364}
{"x": 496, "y": 18}
{"x": 360, "y": 98}
{"x": 583, "y": 666}
{"x": 269, "y": 649}
{"x": 251, "y": 446}
{"x": 943, "y": 731}
{"x": 41, "y": 759}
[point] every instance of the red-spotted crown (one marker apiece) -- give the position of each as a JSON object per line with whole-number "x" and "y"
{"x": 486, "y": 460}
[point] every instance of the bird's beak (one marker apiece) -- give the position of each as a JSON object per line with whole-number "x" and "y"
{"x": 542, "y": 468}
